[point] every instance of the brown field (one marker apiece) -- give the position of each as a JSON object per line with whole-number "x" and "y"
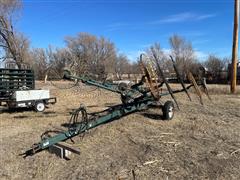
{"x": 201, "y": 142}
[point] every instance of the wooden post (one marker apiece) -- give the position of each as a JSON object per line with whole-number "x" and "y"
{"x": 45, "y": 79}
{"x": 235, "y": 48}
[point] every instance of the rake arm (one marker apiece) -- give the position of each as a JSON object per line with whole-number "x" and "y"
{"x": 67, "y": 76}
{"x": 180, "y": 78}
{"x": 165, "y": 80}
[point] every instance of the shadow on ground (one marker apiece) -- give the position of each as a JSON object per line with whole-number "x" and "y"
{"x": 153, "y": 116}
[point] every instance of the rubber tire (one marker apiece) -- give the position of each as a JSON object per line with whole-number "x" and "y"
{"x": 122, "y": 86}
{"x": 42, "y": 106}
{"x": 168, "y": 110}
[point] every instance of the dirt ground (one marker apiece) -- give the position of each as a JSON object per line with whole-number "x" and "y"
{"x": 201, "y": 142}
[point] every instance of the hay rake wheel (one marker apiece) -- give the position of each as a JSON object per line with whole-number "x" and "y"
{"x": 150, "y": 75}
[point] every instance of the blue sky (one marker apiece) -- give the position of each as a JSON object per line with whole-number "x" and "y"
{"x": 132, "y": 25}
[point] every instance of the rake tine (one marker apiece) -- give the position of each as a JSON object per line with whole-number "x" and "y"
{"x": 165, "y": 81}
{"x": 179, "y": 78}
{"x": 194, "y": 83}
{"x": 205, "y": 90}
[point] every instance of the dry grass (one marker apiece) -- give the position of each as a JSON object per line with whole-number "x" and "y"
{"x": 221, "y": 89}
{"x": 202, "y": 142}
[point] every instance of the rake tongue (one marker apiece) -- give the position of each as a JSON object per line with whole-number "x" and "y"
{"x": 179, "y": 78}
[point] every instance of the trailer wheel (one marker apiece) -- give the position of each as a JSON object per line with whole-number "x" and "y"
{"x": 168, "y": 110}
{"x": 39, "y": 106}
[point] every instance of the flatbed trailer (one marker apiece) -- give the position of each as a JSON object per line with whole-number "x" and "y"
{"x": 17, "y": 89}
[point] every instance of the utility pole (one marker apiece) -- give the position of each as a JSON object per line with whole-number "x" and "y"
{"x": 235, "y": 48}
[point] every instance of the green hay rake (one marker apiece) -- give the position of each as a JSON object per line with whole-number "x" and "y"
{"x": 138, "y": 97}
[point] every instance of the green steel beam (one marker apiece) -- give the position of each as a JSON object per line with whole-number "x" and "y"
{"x": 93, "y": 83}
{"x": 115, "y": 113}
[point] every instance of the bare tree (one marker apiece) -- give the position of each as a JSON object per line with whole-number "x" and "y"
{"x": 49, "y": 62}
{"x": 23, "y": 48}
{"x": 58, "y": 59}
{"x": 215, "y": 65}
{"x": 122, "y": 66}
{"x": 91, "y": 55}
{"x": 155, "y": 49}
{"x": 163, "y": 60}
{"x": 39, "y": 62}
{"x": 162, "y": 57}
{"x": 8, "y": 7}
{"x": 183, "y": 52}
{"x": 136, "y": 68}
{"x": 15, "y": 45}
